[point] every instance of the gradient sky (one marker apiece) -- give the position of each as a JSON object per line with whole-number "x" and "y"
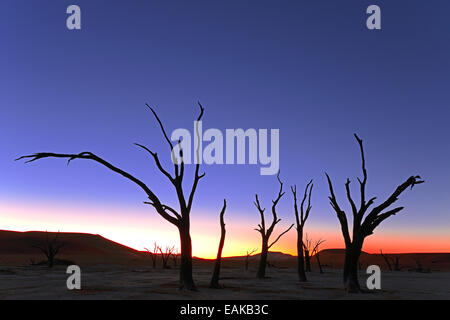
{"x": 311, "y": 69}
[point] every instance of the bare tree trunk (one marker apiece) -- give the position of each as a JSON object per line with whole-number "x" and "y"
{"x": 300, "y": 256}
{"x": 307, "y": 261}
{"x": 263, "y": 260}
{"x": 318, "y": 262}
{"x": 386, "y": 259}
{"x": 300, "y": 220}
{"x": 397, "y": 264}
{"x": 186, "y": 279}
{"x": 51, "y": 260}
{"x": 216, "y": 274}
{"x": 351, "y": 282}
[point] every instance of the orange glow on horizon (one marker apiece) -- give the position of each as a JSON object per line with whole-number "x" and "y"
{"x": 140, "y": 227}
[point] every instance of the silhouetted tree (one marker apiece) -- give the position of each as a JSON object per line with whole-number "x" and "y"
{"x": 175, "y": 257}
{"x": 180, "y": 218}
{"x": 266, "y": 233}
{"x": 307, "y": 249}
{"x": 165, "y": 256}
{"x": 393, "y": 263}
{"x": 386, "y": 259}
{"x": 397, "y": 264}
{"x": 300, "y": 222}
{"x": 316, "y": 252}
{"x": 153, "y": 254}
{"x": 216, "y": 273}
{"x": 363, "y": 227}
{"x": 247, "y": 258}
{"x": 50, "y": 248}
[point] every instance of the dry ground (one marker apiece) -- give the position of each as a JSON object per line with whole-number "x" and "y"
{"x": 141, "y": 282}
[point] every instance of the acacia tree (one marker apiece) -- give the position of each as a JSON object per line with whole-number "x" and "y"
{"x": 216, "y": 273}
{"x": 180, "y": 218}
{"x": 363, "y": 224}
{"x": 50, "y": 248}
{"x": 267, "y": 232}
{"x": 300, "y": 224}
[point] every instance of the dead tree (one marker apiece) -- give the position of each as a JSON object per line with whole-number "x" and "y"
{"x": 311, "y": 248}
{"x": 247, "y": 258}
{"x": 300, "y": 221}
{"x": 316, "y": 254}
{"x": 180, "y": 218}
{"x": 363, "y": 224}
{"x": 165, "y": 256}
{"x": 153, "y": 254}
{"x": 397, "y": 264}
{"x": 267, "y": 232}
{"x": 393, "y": 263}
{"x": 175, "y": 257}
{"x": 386, "y": 260}
{"x": 216, "y": 273}
{"x": 308, "y": 250}
{"x": 50, "y": 248}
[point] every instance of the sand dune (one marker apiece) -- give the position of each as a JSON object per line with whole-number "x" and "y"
{"x": 88, "y": 249}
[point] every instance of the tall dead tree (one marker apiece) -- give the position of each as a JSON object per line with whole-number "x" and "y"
{"x": 247, "y": 258}
{"x": 180, "y": 218}
{"x": 267, "y": 232}
{"x": 50, "y": 248}
{"x": 216, "y": 273}
{"x": 300, "y": 224}
{"x": 363, "y": 224}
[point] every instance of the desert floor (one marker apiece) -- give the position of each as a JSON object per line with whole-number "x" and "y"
{"x": 131, "y": 282}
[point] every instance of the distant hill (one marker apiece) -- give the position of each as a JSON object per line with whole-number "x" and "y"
{"x": 434, "y": 261}
{"x": 16, "y": 248}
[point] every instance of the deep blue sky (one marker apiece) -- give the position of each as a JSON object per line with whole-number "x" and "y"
{"x": 309, "y": 68}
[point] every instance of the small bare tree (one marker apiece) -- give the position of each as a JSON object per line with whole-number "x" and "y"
{"x": 363, "y": 224}
{"x": 179, "y": 218}
{"x": 153, "y": 254}
{"x": 311, "y": 248}
{"x": 165, "y": 256}
{"x": 387, "y": 260}
{"x": 393, "y": 263}
{"x": 307, "y": 248}
{"x": 247, "y": 257}
{"x": 50, "y": 248}
{"x": 175, "y": 257}
{"x": 216, "y": 273}
{"x": 267, "y": 232}
{"x": 316, "y": 253}
{"x": 300, "y": 221}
